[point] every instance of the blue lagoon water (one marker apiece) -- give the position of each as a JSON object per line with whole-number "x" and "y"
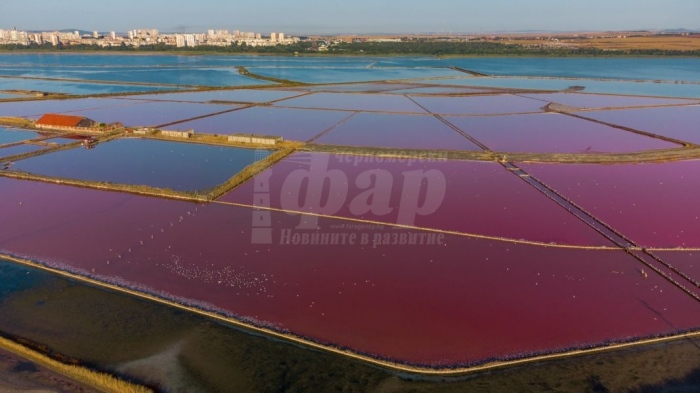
{"x": 174, "y": 165}
{"x": 221, "y": 71}
{"x": 675, "y": 69}
{"x": 160, "y": 75}
{"x": 8, "y": 135}
{"x": 15, "y": 278}
{"x": 13, "y": 96}
{"x": 323, "y": 74}
{"x": 19, "y": 149}
{"x": 75, "y": 88}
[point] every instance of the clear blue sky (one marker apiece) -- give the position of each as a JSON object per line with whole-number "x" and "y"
{"x": 350, "y": 16}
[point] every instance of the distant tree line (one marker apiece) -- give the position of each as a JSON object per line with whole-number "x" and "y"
{"x": 414, "y": 47}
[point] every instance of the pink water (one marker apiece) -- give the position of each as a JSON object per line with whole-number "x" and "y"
{"x": 291, "y": 124}
{"x": 354, "y": 102}
{"x": 480, "y": 105}
{"x": 397, "y": 131}
{"x": 460, "y": 301}
{"x": 239, "y": 95}
{"x": 553, "y": 133}
{"x": 36, "y": 109}
{"x": 682, "y": 123}
{"x": 687, "y": 262}
{"x": 466, "y": 196}
{"x": 591, "y": 101}
{"x": 152, "y": 113}
{"x": 655, "y": 205}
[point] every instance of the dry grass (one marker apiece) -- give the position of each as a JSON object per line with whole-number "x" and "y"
{"x": 15, "y": 121}
{"x": 686, "y": 43}
{"x": 252, "y": 170}
{"x": 665, "y": 43}
{"x": 667, "y": 155}
{"x": 107, "y": 186}
{"x": 100, "y": 381}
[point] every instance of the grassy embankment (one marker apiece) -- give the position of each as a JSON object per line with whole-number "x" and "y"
{"x": 244, "y": 71}
{"x": 100, "y": 381}
{"x": 15, "y": 122}
{"x": 253, "y": 169}
{"x": 655, "y": 156}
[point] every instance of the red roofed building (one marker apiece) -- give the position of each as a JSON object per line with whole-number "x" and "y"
{"x": 63, "y": 122}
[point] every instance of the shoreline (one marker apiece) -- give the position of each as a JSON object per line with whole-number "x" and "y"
{"x": 417, "y": 371}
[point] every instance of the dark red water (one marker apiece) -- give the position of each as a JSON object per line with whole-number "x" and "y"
{"x": 553, "y": 133}
{"x": 681, "y": 123}
{"x": 471, "y": 197}
{"x": 480, "y": 105}
{"x": 291, "y": 124}
{"x": 460, "y": 301}
{"x": 354, "y": 102}
{"x": 597, "y": 101}
{"x": 397, "y": 131}
{"x": 653, "y": 204}
{"x": 685, "y": 261}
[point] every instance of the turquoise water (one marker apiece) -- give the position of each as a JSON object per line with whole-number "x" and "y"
{"x": 672, "y": 69}
{"x": 70, "y": 87}
{"x": 623, "y": 68}
{"x": 323, "y": 74}
{"x": 4, "y": 96}
{"x": 170, "y": 75}
{"x": 122, "y": 61}
{"x": 14, "y": 278}
{"x": 220, "y": 71}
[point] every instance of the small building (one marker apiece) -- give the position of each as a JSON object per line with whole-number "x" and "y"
{"x": 177, "y": 134}
{"x": 255, "y": 139}
{"x": 143, "y": 131}
{"x": 65, "y": 122}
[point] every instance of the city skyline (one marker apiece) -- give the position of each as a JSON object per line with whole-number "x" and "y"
{"x": 361, "y": 16}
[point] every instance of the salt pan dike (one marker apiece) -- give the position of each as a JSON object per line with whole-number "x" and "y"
{"x": 480, "y": 198}
{"x": 414, "y": 300}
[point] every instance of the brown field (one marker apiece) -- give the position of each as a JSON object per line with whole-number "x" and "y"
{"x": 685, "y": 43}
